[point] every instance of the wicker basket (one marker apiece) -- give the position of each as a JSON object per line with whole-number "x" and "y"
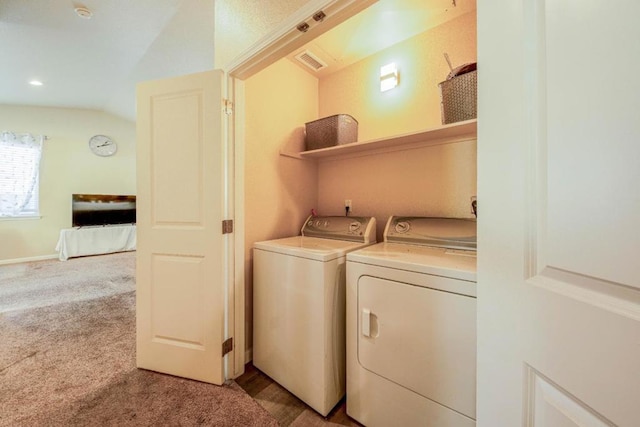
{"x": 459, "y": 98}
{"x": 330, "y": 131}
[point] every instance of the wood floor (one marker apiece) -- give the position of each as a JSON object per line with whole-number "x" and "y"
{"x": 284, "y": 406}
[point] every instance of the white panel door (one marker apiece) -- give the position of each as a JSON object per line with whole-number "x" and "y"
{"x": 180, "y": 281}
{"x": 559, "y": 213}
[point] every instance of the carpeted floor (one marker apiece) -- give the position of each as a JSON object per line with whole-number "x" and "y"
{"x": 67, "y": 355}
{"x": 38, "y": 284}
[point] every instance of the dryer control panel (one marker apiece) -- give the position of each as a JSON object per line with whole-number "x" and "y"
{"x": 352, "y": 228}
{"x": 452, "y": 233}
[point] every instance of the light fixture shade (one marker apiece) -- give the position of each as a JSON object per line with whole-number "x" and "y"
{"x": 388, "y": 77}
{"x": 83, "y": 12}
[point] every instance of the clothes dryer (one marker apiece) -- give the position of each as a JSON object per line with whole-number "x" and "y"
{"x": 411, "y": 325}
{"x": 299, "y": 307}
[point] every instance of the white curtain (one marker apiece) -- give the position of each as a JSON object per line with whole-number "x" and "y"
{"x": 19, "y": 166}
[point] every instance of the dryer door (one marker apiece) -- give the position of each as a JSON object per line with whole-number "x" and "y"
{"x": 421, "y": 339}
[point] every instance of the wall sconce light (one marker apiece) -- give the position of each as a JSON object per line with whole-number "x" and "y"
{"x": 388, "y": 77}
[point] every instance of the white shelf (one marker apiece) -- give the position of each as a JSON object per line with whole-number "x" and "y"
{"x": 455, "y": 132}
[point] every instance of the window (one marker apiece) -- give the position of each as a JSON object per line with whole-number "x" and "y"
{"x": 19, "y": 169}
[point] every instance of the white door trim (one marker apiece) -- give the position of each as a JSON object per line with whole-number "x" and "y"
{"x": 286, "y": 37}
{"x": 276, "y": 45}
{"x": 235, "y": 141}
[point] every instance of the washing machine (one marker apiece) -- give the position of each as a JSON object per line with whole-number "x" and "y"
{"x": 411, "y": 325}
{"x": 299, "y": 307}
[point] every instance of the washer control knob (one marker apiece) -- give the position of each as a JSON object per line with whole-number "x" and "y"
{"x": 402, "y": 227}
{"x": 354, "y": 226}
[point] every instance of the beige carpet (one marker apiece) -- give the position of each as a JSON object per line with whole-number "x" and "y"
{"x": 67, "y": 355}
{"x": 43, "y": 283}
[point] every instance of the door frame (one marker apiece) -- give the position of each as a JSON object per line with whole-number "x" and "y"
{"x": 283, "y": 40}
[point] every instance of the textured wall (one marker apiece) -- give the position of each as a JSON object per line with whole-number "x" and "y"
{"x": 279, "y": 191}
{"x": 431, "y": 181}
{"x": 415, "y": 103}
{"x": 436, "y": 181}
{"x": 67, "y": 167}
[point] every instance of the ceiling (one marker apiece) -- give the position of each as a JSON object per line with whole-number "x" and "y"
{"x": 378, "y": 27}
{"x": 95, "y": 63}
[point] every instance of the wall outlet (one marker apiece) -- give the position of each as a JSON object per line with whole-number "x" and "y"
{"x": 473, "y": 199}
{"x": 347, "y": 204}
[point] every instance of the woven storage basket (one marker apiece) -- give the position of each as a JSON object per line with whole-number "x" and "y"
{"x": 459, "y": 98}
{"x": 330, "y": 131}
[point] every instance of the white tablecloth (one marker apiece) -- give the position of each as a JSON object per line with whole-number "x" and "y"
{"x": 96, "y": 240}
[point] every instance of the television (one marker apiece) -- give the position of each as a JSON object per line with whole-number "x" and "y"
{"x": 102, "y": 209}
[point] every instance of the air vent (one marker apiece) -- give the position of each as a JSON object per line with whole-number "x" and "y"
{"x": 310, "y": 60}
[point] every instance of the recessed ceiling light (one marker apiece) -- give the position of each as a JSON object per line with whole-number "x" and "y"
{"x": 83, "y": 12}
{"x": 35, "y": 83}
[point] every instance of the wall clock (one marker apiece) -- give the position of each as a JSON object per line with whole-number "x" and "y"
{"x": 103, "y": 145}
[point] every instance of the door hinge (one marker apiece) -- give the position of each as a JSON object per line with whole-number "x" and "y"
{"x": 227, "y": 346}
{"x": 227, "y": 226}
{"x": 228, "y": 106}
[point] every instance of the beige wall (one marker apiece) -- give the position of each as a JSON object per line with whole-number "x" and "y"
{"x": 67, "y": 167}
{"x": 279, "y": 191}
{"x": 415, "y": 103}
{"x": 433, "y": 181}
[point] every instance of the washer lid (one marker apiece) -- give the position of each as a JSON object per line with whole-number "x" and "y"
{"x": 439, "y": 232}
{"x": 310, "y": 247}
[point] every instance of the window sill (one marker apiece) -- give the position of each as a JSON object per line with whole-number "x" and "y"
{"x": 20, "y": 218}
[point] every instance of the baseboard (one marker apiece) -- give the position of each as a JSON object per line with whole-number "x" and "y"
{"x": 28, "y": 259}
{"x": 248, "y": 355}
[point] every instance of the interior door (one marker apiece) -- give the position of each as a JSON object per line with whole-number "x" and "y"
{"x": 559, "y": 208}
{"x": 180, "y": 257}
